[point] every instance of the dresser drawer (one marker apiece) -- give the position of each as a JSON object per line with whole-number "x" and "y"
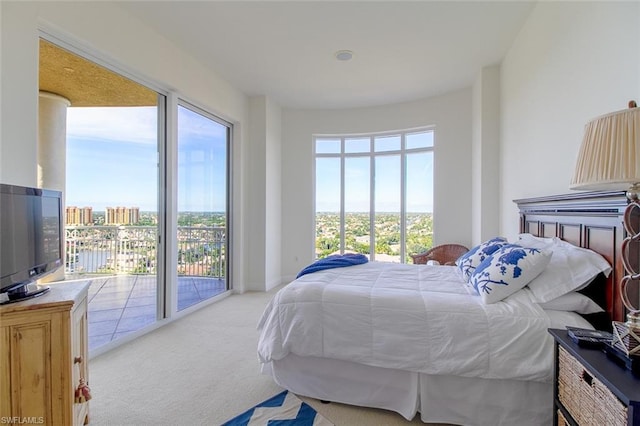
{"x": 587, "y": 399}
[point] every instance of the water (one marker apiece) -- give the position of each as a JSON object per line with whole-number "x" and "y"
{"x": 88, "y": 261}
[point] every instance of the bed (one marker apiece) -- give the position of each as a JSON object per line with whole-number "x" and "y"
{"x": 417, "y": 339}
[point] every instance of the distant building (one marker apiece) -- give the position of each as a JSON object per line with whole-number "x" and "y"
{"x": 122, "y": 215}
{"x": 79, "y": 216}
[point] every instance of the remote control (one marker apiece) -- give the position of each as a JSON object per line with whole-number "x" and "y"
{"x": 589, "y": 338}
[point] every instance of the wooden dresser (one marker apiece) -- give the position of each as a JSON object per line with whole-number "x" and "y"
{"x": 44, "y": 357}
{"x": 590, "y": 388}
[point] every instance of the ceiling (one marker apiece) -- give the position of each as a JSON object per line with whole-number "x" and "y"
{"x": 85, "y": 83}
{"x": 403, "y": 50}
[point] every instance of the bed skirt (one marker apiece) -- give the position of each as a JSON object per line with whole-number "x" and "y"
{"x": 439, "y": 399}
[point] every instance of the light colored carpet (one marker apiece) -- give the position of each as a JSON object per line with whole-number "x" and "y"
{"x": 199, "y": 370}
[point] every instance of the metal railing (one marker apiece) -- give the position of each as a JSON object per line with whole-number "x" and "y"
{"x": 132, "y": 250}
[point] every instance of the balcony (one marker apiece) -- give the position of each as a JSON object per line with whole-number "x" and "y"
{"x": 120, "y": 263}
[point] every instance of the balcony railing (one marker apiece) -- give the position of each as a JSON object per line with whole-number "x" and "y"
{"x": 132, "y": 250}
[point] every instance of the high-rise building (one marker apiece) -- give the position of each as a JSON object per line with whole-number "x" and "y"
{"x": 122, "y": 215}
{"x": 79, "y": 216}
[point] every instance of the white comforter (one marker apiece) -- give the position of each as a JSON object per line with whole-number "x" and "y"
{"x": 411, "y": 317}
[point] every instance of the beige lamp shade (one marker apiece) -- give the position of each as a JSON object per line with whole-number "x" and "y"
{"x": 609, "y": 158}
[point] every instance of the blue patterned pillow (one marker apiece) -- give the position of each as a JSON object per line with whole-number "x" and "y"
{"x": 469, "y": 261}
{"x": 508, "y": 270}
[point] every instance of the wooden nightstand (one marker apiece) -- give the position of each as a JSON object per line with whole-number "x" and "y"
{"x": 591, "y": 389}
{"x": 43, "y": 342}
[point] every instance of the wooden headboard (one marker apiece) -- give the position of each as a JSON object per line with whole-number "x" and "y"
{"x": 591, "y": 220}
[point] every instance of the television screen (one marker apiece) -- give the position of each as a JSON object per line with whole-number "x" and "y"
{"x": 30, "y": 236}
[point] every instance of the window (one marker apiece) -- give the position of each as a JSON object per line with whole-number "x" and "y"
{"x": 374, "y": 194}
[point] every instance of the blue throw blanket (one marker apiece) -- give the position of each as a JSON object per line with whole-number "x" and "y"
{"x": 334, "y": 261}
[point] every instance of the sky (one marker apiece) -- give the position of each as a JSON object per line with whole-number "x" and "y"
{"x": 387, "y": 183}
{"x": 387, "y": 171}
{"x": 112, "y": 159}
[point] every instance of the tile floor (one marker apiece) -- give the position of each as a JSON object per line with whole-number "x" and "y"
{"x": 121, "y": 304}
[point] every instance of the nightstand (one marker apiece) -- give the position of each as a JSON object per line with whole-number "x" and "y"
{"x": 591, "y": 389}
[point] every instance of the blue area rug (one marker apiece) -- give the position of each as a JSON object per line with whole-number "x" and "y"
{"x": 284, "y": 409}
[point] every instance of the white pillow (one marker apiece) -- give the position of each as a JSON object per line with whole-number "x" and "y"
{"x": 574, "y": 302}
{"x": 529, "y": 240}
{"x": 469, "y": 261}
{"x": 563, "y": 319}
{"x": 508, "y": 270}
{"x": 571, "y": 268}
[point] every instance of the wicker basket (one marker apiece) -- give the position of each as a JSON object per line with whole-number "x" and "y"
{"x": 587, "y": 400}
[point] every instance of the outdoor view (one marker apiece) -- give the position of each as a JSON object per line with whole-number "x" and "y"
{"x": 112, "y": 220}
{"x": 374, "y": 195}
{"x": 112, "y": 183}
{"x": 111, "y": 192}
{"x": 419, "y": 234}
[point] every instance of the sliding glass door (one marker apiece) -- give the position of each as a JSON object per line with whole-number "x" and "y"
{"x": 127, "y": 164}
{"x": 111, "y": 175}
{"x": 202, "y": 232}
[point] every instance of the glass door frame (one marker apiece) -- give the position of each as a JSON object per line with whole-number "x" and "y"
{"x": 170, "y": 163}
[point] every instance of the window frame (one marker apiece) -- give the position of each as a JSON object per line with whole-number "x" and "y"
{"x": 402, "y": 152}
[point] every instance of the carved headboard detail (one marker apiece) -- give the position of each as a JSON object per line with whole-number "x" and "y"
{"x": 591, "y": 220}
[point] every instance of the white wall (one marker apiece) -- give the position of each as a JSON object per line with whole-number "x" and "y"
{"x": 255, "y": 213}
{"x": 451, "y": 114}
{"x": 571, "y": 62}
{"x": 102, "y": 29}
{"x": 273, "y": 202}
{"x": 263, "y": 212}
{"x": 19, "y": 96}
{"x": 485, "y": 188}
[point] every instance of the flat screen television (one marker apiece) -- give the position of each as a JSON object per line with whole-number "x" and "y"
{"x": 31, "y": 241}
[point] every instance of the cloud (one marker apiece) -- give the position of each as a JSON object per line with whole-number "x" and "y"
{"x": 129, "y": 124}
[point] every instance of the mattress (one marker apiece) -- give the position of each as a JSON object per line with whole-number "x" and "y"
{"x": 418, "y": 318}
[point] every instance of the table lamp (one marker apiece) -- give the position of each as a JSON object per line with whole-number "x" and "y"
{"x": 609, "y": 159}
